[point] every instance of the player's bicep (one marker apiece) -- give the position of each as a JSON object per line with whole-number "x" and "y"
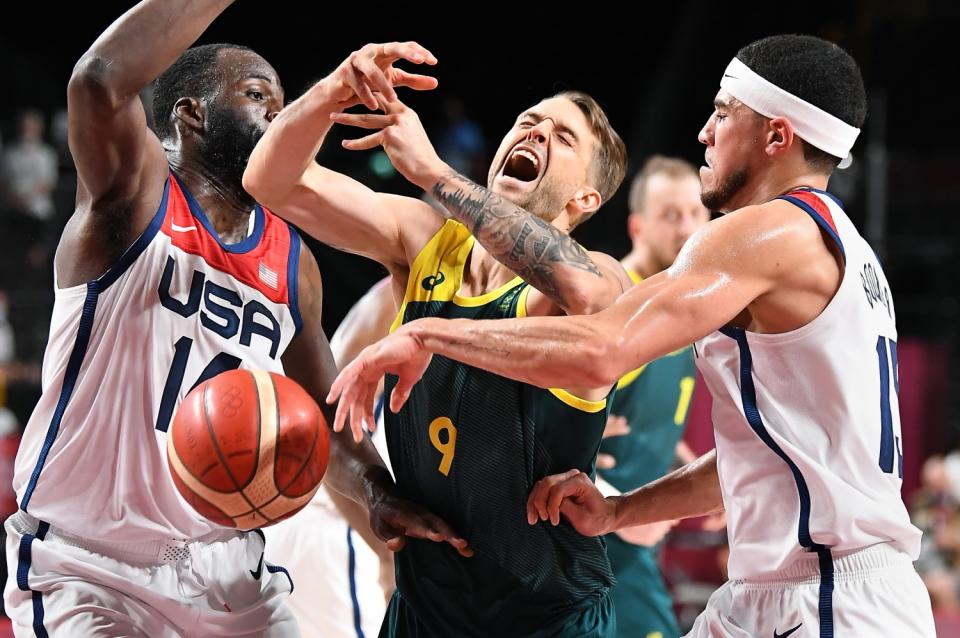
{"x": 111, "y": 144}
{"x": 717, "y": 274}
{"x": 343, "y": 213}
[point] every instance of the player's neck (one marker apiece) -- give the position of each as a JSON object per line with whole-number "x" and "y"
{"x": 225, "y": 204}
{"x": 483, "y": 273}
{"x": 773, "y": 184}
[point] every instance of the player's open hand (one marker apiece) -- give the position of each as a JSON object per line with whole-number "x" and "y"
{"x": 356, "y": 386}
{"x": 370, "y": 70}
{"x": 395, "y": 519}
{"x": 575, "y": 496}
{"x": 402, "y": 136}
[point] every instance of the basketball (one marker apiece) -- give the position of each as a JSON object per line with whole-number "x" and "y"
{"x": 248, "y": 448}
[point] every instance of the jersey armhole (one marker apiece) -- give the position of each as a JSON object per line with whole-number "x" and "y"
{"x": 811, "y": 204}
{"x": 131, "y": 254}
{"x": 584, "y": 405}
{"x": 293, "y": 279}
{"x": 450, "y": 228}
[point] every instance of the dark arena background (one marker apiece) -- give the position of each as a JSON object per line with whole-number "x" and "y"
{"x": 655, "y": 68}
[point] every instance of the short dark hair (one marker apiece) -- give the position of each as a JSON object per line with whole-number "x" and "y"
{"x": 816, "y": 71}
{"x": 194, "y": 74}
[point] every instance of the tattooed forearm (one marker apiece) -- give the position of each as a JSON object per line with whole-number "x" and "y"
{"x": 532, "y": 248}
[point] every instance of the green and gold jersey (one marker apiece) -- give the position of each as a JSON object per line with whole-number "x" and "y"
{"x": 469, "y": 445}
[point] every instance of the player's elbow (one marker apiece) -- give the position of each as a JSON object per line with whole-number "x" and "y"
{"x": 94, "y": 82}
{"x": 257, "y": 183}
{"x": 602, "y": 360}
{"x": 580, "y": 299}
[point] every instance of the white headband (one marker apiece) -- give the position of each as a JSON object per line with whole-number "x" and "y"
{"x": 814, "y": 125}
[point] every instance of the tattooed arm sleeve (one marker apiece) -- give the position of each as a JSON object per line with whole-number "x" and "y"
{"x": 546, "y": 257}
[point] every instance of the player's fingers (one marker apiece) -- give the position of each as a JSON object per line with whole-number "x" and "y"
{"x": 360, "y": 89}
{"x": 443, "y": 532}
{"x": 349, "y": 103}
{"x": 462, "y": 546}
{"x": 364, "y": 143}
{"x": 396, "y": 544}
{"x": 537, "y": 501}
{"x": 374, "y": 77}
{"x": 347, "y": 409}
{"x": 414, "y": 81}
{"x": 400, "y": 394}
{"x": 560, "y": 491}
{"x": 363, "y": 120}
{"x": 336, "y": 388}
{"x": 369, "y": 401}
{"x": 342, "y": 410}
{"x": 356, "y": 416}
{"x": 410, "y": 51}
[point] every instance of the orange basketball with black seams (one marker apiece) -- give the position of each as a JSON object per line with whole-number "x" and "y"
{"x": 248, "y": 448}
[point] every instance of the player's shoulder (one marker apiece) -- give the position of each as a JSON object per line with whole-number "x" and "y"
{"x": 772, "y": 227}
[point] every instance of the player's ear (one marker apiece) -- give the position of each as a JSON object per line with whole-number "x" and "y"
{"x": 635, "y": 225}
{"x": 779, "y": 135}
{"x": 583, "y": 204}
{"x": 190, "y": 112}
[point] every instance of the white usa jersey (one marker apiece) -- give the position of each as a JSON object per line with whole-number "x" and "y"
{"x": 807, "y": 422}
{"x": 177, "y": 308}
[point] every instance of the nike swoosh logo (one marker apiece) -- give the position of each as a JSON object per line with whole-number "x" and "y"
{"x": 732, "y": 77}
{"x": 259, "y": 571}
{"x": 431, "y": 282}
{"x": 786, "y": 633}
{"x": 182, "y": 229}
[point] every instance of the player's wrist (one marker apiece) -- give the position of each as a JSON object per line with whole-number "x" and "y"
{"x": 378, "y": 485}
{"x": 616, "y": 512}
{"x": 328, "y": 92}
{"x": 435, "y": 173}
{"x": 418, "y": 331}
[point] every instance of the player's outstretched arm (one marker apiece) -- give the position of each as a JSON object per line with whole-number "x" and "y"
{"x": 720, "y": 271}
{"x": 120, "y": 163}
{"x": 547, "y": 258}
{"x": 693, "y": 490}
{"x": 355, "y": 469}
{"x": 283, "y": 175}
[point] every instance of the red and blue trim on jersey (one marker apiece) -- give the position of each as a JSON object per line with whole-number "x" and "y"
{"x": 274, "y": 246}
{"x": 810, "y": 201}
{"x": 267, "y": 260}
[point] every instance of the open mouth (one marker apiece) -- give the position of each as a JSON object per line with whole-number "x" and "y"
{"x": 523, "y": 165}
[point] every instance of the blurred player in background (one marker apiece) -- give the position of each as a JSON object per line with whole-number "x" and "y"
{"x": 649, "y": 410}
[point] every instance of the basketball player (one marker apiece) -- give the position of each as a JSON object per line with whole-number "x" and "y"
{"x": 348, "y": 568}
{"x": 560, "y": 161}
{"x": 795, "y": 337}
{"x": 166, "y": 274}
{"x": 665, "y": 210}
